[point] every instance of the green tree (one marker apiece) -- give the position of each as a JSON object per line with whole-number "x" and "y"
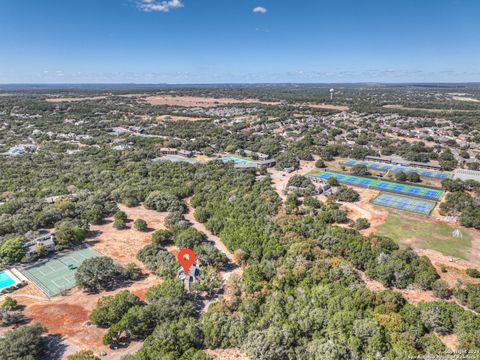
{"x": 11, "y": 250}
{"x": 110, "y": 309}
{"x": 401, "y": 176}
{"x": 360, "y": 170}
{"x": 68, "y": 233}
{"x": 413, "y": 177}
{"x": 98, "y": 273}
{"x": 23, "y": 343}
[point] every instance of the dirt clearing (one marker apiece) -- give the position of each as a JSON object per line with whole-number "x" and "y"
{"x": 401, "y": 107}
{"x": 329, "y": 107}
{"x": 58, "y": 100}
{"x": 192, "y": 101}
{"x": 123, "y": 245}
{"x": 180, "y": 118}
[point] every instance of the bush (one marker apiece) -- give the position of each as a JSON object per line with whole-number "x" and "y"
{"x": 83, "y": 355}
{"x": 140, "y": 225}
{"x": 361, "y": 224}
{"x": 320, "y": 164}
{"x": 9, "y": 303}
{"x": 441, "y": 290}
{"x": 474, "y": 273}
{"x": 119, "y": 224}
{"x": 120, "y": 215}
{"x": 162, "y": 237}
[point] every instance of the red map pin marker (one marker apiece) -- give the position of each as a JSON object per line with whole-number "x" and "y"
{"x": 186, "y": 258}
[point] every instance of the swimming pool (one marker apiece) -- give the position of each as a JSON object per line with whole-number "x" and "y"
{"x": 5, "y": 280}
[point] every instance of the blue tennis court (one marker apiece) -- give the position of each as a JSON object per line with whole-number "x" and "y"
{"x": 397, "y": 168}
{"x": 405, "y": 189}
{"x": 403, "y": 203}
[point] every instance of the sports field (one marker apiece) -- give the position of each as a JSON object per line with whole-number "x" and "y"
{"x": 418, "y": 191}
{"x": 57, "y": 274}
{"x": 397, "y": 168}
{"x": 238, "y": 160}
{"x": 404, "y": 203}
{"x": 426, "y": 235}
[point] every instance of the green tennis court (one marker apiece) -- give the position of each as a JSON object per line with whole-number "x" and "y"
{"x": 58, "y": 274}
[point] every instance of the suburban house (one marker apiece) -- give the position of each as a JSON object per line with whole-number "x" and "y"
{"x": 168, "y": 151}
{"x": 41, "y": 238}
{"x": 185, "y": 153}
{"x": 266, "y": 163}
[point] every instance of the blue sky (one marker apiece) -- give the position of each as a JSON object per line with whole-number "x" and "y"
{"x": 219, "y": 41}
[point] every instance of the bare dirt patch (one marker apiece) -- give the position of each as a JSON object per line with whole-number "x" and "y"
{"x": 468, "y": 99}
{"x": 192, "y": 101}
{"x": 180, "y": 118}
{"x": 455, "y": 268}
{"x": 77, "y": 99}
{"x": 329, "y": 107}
{"x": 227, "y": 354}
{"x": 68, "y": 316}
{"x": 364, "y": 209}
{"x": 401, "y": 107}
{"x": 123, "y": 245}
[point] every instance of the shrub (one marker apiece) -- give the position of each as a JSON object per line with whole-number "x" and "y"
{"x": 120, "y": 215}
{"x": 361, "y": 224}
{"x": 474, "y": 273}
{"x": 140, "y": 225}
{"x": 119, "y": 224}
{"x": 441, "y": 290}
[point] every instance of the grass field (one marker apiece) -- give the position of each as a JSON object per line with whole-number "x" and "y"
{"x": 382, "y": 185}
{"x": 425, "y": 235}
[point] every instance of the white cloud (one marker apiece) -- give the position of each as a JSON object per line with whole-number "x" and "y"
{"x": 159, "y": 5}
{"x": 260, "y": 10}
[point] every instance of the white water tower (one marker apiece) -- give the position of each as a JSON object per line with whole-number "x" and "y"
{"x": 331, "y": 93}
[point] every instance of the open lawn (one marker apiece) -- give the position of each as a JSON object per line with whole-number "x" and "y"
{"x": 426, "y": 235}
